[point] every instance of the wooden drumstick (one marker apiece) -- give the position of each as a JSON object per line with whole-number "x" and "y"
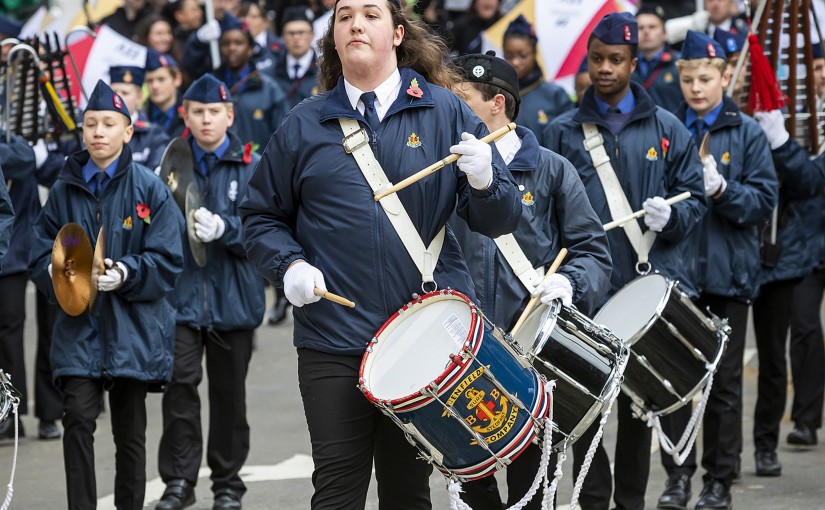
{"x": 632, "y": 216}
{"x": 492, "y": 137}
{"x": 335, "y": 298}
{"x": 535, "y": 299}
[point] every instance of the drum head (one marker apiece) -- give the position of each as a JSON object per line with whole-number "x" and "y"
{"x": 415, "y": 348}
{"x": 631, "y": 311}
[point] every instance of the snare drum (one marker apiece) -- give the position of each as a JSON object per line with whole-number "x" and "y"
{"x": 672, "y": 342}
{"x": 463, "y": 396}
{"x": 9, "y": 397}
{"x": 586, "y": 360}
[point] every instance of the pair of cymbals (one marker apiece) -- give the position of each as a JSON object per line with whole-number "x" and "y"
{"x": 76, "y": 268}
{"x": 177, "y": 171}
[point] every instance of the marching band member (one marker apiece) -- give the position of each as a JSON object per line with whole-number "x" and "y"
{"x": 218, "y": 308}
{"x": 6, "y": 216}
{"x": 740, "y": 182}
{"x": 656, "y": 71}
{"x": 125, "y": 346}
{"x": 311, "y": 221}
{"x": 556, "y": 213}
{"x": 653, "y": 156}
{"x": 163, "y": 80}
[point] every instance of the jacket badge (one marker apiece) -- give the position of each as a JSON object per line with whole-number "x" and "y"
{"x": 652, "y": 155}
{"x": 543, "y": 117}
{"x": 413, "y": 141}
{"x": 144, "y": 213}
{"x": 726, "y": 158}
{"x": 668, "y": 77}
{"x": 665, "y": 146}
{"x": 414, "y": 90}
{"x": 527, "y": 199}
{"x": 259, "y": 114}
{"x": 233, "y": 190}
{"x": 127, "y": 223}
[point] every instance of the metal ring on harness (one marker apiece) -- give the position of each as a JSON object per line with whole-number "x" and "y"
{"x": 424, "y": 288}
{"x": 647, "y": 268}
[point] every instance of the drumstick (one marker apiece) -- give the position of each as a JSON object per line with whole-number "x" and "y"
{"x": 492, "y": 137}
{"x": 335, "y": 298}
{"x": 535, "y": 299}
{"x": 641, "y": 212}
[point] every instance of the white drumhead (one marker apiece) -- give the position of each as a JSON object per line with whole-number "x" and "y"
{"x": 631, "y": 309}
{"x": 415, "y": 348}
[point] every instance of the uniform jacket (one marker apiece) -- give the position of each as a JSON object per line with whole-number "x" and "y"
{"x": 653, "y": 155}
{"x": 6, "y": 217}
{"x": 728, "y": 237}
{"x": 297, "y": 90}
{"x": 148, "y": 143}
{"x": 228, "y": 293}
{"x": 555, "y": 214}
{"x": 266, "y": 58}
{"x": 662, "y": 81}
{"x": 132, "y": 330}
{"x": 308, "y": 199}
{"x": 541, "y": 102}
{"x": 176, "y": 126}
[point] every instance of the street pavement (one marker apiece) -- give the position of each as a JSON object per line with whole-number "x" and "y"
{"x": 278, "y": 471}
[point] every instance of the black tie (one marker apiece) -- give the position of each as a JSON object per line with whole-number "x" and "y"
{"x": 368, "y": 98}
{"x": 100, "y": 179}
{"x": 614, "y": 111}
{"x": 209, "y": 160}
{"x": 698, "y": 130}
{"x": 296, "y": 69}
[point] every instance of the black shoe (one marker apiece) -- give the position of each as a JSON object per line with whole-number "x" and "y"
{"x": 227, "y": 499}
{"x": 767, "y": 464}
{"x": 48, "y": 429}
{"x": 178, "y": 494}
{"x": 7, "y": 428}
{"x": 676, "y": 494}
{"x": 278, "y": 312}
{"x": 802, "y": 435}
{"x": 715, "y": 496}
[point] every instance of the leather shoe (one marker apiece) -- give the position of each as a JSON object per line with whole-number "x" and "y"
{"x": 677, "y": 492}
{"x": 278, "y": 312}
{"x": 767, "y": 464}
{"x": 7, "y": 428}
{"x": 178, "y": 494}
{"x": 48, "y": 429}
{"x": 227, "y": 499}
{"x": 802, "y": 435}
{"x": 715, "y": 496}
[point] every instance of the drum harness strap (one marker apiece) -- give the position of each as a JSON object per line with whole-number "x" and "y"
{"x": 518, "y": 262}
{"x": 616, "y": 198}
{"x": 356, "y": 142}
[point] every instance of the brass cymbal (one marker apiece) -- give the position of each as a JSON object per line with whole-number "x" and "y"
{"x": 176, "y": 169}
{"x": 193, "y": 203}
{"x": 72, "y": 269}
{"x": 98, "y": 267}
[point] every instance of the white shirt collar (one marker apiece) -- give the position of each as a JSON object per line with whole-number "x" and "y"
{"x": 303, "y": 62}
{"x": 508, "y": 146}
{"x": 261, "y": 39}
{"x": 385, "y": 94}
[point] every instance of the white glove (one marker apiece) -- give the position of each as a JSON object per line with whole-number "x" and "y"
{"x": 40, "y": 153}
{"x": 714, "y": 182}
{"x": 773, "y": 124}
{"x": 50, "y": 270}
{"x": 210, "y": 31}
{"x": 555, "y": 286}
{"x": 300, "y": 281}
{"x": 208, "y": 226}
{"x": 476, "y": 161}
{"x": 116, "y": 273}
{"x": 657, "y": 213}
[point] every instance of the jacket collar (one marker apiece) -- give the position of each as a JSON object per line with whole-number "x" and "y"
{"x": 336, "y": 105}
{"x": 588, "y": 112}
{"x": 72, "y": 172}
{"x": 729, "y": 115}
{"x": 527, "y": 158}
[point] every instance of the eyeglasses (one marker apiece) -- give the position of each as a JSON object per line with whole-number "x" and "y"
{"x": 296, "y": 33}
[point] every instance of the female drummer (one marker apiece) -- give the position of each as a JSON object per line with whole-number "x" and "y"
{"x": 311, "y": 222}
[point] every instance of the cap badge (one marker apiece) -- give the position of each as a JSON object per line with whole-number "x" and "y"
{"x": 478, "y": 71}
{"x": 627, "y": 36}
{"x": 711, "y": 51}
{"x": 117, "y": 101}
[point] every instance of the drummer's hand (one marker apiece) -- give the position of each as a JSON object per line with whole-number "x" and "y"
{"x": 555, "y": 286}
{"x": 114, "y": 276}
{"x": 715, "y": 184}
{"x": 208, "y": 226}
{"x": 773, "y": 124}
{"x": 50, "y": 270}
{"x": 476, "y": 161}
{"x": 300, "y": 281}
{"x": 657, "y": 213}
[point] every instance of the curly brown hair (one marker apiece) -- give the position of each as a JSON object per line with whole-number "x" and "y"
{"x": 421, "y": 50}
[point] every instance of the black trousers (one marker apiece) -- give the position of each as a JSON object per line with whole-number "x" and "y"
{"x": 181, "y": 446}
{"x": 127, "y": 410}
{"x": 12, "y": 321}
{"x": 808, "y": 350}
{"x": 722, "y": 423}
{"x": 348, "y": 434}
{"x": 48, "y": 401}
{"x": 771, "y": 319}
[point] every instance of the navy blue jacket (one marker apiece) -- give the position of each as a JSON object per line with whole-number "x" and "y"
{"x": 541, "y": 102}
{"x": 6, "y": 217}
{"x": 131, "y": 333}
{"x": 309, "y": 200}
{"x": 728, "y": 237}
{"x": 297, "y": 90}
{"x": 266, "y": 58}
{"x": 555, "y": 214}
{"x": 227, "y": 293}
{"x": 653, "y": 155}
{"x": 177, "y": 124}
{"x": 148, "y": 143}
{"x": 662, "y": 81}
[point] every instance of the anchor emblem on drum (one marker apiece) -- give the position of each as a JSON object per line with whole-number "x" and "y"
{"x": 484, "y": 410}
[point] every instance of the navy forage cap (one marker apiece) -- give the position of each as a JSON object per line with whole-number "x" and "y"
{"x": 617, "y": 28}
{"x": 296, "y": 13}
{"x": 487, "y": 68}
{"x": 103, "y": 99}
{"x": 156, "y": 60}
{"x": 230, "y": 22}
{"x": 9, "y": 27}
{"x": 126, "y": 74}
{"x": 699, "y": 45}
{"x": 520, "y": 26}
{"x": 654, "y": 9}
{"x": 208, "y": 89}
{"x": 396, "y": 2}
{"x": 730, "y": 42}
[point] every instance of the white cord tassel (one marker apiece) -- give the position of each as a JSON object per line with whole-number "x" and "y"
{"x": 10, "y": 488}
{"x": 454, "y": 490}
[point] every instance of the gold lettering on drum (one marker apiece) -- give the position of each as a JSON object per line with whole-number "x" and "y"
{"x": 461, "y": 387}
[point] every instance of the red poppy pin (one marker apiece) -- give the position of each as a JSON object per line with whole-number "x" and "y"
{"x": 414, "y": 90}
{"x": 143, "y": 213}
{"x": 247, "y": 153}
{"x": 667, "y": 57}
{"x": 180, "y": 111}
{"x": 665, "y": 146}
